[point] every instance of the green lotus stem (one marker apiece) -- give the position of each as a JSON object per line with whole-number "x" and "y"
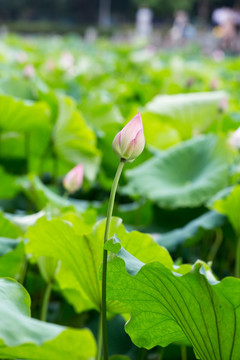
{"x": 105, "y": 254}
{"x": 99, "y": 345}
{"x": 27, "y": 149}
{"x": 219, "y": 125}
{"x": 43, "y": 157}
{"x": 216, "y": 245}
{"x": 45, "y": 302}
{"x": 55, "y": 166}
{"x": 237, "y": 266}
{"x": 183, "y": 352}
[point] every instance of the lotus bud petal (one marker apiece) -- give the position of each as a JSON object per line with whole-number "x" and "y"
{"x": 129, "y": 142}
{"x": 74, "y": 179}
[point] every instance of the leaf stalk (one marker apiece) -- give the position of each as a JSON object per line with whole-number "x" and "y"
{"x": 237, "y": 266}
{"x": 45, "y": 302}
{"x": 105, "y": 254}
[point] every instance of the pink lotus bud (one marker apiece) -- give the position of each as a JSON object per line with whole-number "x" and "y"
{"x": 50, "y": 65}
{"x": 129, "y": 142}
{"x": 214, "y": 84}
{"x": 66, "y": 60}
{"x": 234, "y": 140}
{"x": 74, "y": 179}
{"x": 223, "y": 105}
{"x": 29, "y": 71}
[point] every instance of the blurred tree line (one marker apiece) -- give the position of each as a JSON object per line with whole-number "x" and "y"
{"x": 196, "y": 8}
{"x": 85, "y": 11}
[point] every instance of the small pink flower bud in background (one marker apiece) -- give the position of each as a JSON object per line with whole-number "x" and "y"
{"x": 129, "y": 142}
{"x": 190, "y": 82}
{"x": 29, "y": 71}
{"x": 234, "y": 140}
{"x": 50, "y": 65}
{"x": 223, "y": 104}
{"x": 74, "y": 179}
{"x": 66, "y": 60}
{"x": 214, "y": 84}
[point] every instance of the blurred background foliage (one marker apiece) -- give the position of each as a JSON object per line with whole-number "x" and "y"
{"x": 62, "y": 101}
{"x": 87, "y": 12}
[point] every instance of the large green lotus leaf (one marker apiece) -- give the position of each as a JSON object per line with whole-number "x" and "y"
{"x": 74, "y": 142}
{"x": 208, "y": 221}
{"x": 23, "y": 115}
{"x": 27, "y": 150}
{"x": 11, "y": 257}
{"x": 184, "y": 176}
{"x": 11, "y": 250}
{"x": 99, "y": 111}
{"x": 82, "y": 223}
{"x": 188, "y": 113}
{"x": 222, "y": 194}
{"x": 26, "y": 338}
{"x": 138, "y": 214}
{"x": 166, "y": 307}
{"x": 17, "y": 86}
{"x": 80, "y": 251}
{"x": 22, "y": 222}
{"x": 158, "y": 133}
{"x": 7, "y": 228}
{"x": 12, "y": 145}
{"x": 230, "y": 206}
{"x": 26, "y": 130}
{"x": 7, "y": 245}
{"x": 41, "y": 195}
{"x": 9, "y": 186}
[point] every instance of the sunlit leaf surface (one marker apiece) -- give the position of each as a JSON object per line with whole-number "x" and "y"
{"x": 166, "y": 307}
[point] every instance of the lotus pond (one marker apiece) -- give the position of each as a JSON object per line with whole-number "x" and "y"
{"x": 173, "y": 287}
